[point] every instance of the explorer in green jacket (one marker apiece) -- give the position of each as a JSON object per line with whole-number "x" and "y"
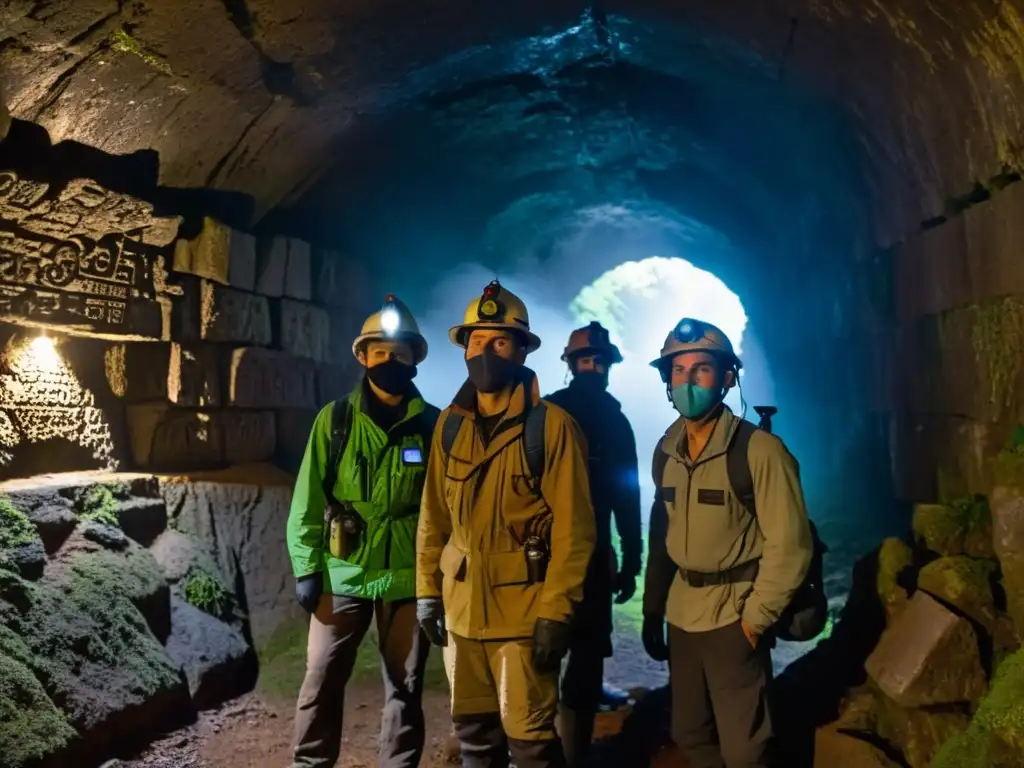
{"x": 351, "y": 537}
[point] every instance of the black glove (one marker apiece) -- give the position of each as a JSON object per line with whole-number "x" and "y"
{"x": 308, "y": 590}
{"x": 624, "y": 588}
{"x": 550, "y": 644}
{"x": 653, "y": 635}
{"x": 430, "y": 615}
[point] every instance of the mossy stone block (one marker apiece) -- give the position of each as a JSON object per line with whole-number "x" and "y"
{"x": 963, "y": 582}
{"x": 893, "y": 557}
{"x": 32, "y": 728}
{"x": 995, "y": 737}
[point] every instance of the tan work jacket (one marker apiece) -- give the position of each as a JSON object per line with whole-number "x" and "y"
{"x": 709, "y": 530}
{"x": 478, "y": 507}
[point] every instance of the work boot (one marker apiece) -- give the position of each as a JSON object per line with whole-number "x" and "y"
{"x": 537, "y": 754}
{"x": 482, "y": 741}
{"x": 576, "y": 728}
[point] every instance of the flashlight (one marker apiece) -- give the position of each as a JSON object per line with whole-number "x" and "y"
{"x": 389, "y": 317}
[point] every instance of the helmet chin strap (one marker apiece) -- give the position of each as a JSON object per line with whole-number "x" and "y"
{"x": 743, "y": 400}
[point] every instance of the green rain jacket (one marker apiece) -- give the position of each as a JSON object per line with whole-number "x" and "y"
{"x": 382, "y": 480}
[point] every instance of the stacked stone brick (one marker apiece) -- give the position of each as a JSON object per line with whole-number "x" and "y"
{"x": 260, "y": 340}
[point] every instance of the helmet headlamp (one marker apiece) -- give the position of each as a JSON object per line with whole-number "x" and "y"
{"x": 491, "y": 308}
{"x": 689, "y": 331}
{"x": 390, "y": 319}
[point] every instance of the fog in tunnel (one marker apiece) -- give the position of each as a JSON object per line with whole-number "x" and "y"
{"x": 586, "y": 153}
{"x": 638, "y": 301}
{"x": 618, "y": 153}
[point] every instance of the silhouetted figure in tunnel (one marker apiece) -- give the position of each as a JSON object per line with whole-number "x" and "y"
{"x": 615, "y": 490}
{"x": 729, "y": 547}
{"x": 351, "y": 536}
{"x": 505, "y": 534}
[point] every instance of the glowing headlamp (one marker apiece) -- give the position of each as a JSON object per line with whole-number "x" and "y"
{"x": 688, "y": 331}
{"x": 390, "y": 320}
{"x": 490, "y": 308}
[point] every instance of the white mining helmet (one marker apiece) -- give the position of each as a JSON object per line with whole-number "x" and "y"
{"x": 392, "y": 322}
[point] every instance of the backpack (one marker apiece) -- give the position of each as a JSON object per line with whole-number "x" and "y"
{"x": 532, "y": 440}
{"x": 341, "y": 425}
{"x": 807, "y": 613}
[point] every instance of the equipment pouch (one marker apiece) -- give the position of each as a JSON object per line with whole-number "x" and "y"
{"x": 344, "y": 531}
{"x": 535, "y": 550}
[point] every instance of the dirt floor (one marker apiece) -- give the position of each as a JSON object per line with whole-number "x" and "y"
{"x": 255, "y": 731}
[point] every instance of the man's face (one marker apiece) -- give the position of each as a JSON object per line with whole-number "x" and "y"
{"x": 501, "y": 342}
{"x": 700, "y": 368}
{"x": 590, "y": 363}
{"x": 377, "y": 352}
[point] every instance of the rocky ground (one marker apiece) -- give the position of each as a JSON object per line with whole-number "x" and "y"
{"x": 128, "y": 605}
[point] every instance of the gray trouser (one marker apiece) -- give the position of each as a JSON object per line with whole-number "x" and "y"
{"x": 719, "y": 683}
{"x": 335, "y": 632}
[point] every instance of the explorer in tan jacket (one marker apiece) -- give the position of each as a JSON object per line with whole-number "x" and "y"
{"x": 720, "y": 575}
{"x": 506, "y": 532}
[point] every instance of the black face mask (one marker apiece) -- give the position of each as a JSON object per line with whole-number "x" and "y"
{"x": 392, "y": 377}
{"x": 591, "y": 381}
{"x": 490, "y": 372}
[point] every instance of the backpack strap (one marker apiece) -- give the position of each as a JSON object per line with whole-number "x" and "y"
{"x": 341, "y": 423}
{"x": 533, "y": 438}
{"x": 533, "y": 442}
{"x": 427, "y": 421}
{"x": 658, "y": 465}
{"x": 449, "y": 431}
{"x": 738, "y": 465}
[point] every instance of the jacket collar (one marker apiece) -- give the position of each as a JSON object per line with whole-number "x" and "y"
{"x": 525, "y": 395}
{"x": 674, "y": 443}
{"x": 414, "y": 403}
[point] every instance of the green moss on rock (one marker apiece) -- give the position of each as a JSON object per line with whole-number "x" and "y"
{"x": 31, "y": 725}
{"x": 963, "y": 526}
{"x": 1008, "y": 467}
{"x": 963, "y": 582}
{"x": 893, "y": 557}
{"x": 122, "y": 42}
{"x": 92, "y": 648}
{"x": 98, "y": 503}
{"x": 919, "y": 733}
{"x": 995, "y": 737}
{"x": 206, "y": 592}
{"x": 16, "y": 529}
{"x": 997, "y": 335}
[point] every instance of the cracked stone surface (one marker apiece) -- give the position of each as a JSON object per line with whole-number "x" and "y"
{"x": 252, "y": 94}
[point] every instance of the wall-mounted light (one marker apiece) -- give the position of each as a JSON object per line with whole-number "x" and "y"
{"x": 41, "y": 354}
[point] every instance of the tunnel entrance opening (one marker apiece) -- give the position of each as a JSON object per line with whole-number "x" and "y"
{"x": 639, "y": 301}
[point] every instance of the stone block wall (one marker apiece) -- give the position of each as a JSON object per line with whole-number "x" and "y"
{"x": 161, "y": 353}
{"x": 950, "y": 356}
{"x": 249, "y": 350}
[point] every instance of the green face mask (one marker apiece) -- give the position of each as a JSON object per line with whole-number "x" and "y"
{"x": 695, "y": 402}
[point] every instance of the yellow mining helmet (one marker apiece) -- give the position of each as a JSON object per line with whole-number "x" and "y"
{"x": 496, "y": 307}
{"x": 691, "y": 335}
{"x": 392, "y": 322}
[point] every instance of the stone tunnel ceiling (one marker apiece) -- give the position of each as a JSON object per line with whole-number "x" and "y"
{"x": 258, "y": 95}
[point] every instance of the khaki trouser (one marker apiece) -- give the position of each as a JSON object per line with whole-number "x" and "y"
{"x": 488, "y": 676}
{"x": 335, "y": 632}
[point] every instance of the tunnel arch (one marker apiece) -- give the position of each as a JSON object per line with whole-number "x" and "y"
{"x": 317, "y": 71}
